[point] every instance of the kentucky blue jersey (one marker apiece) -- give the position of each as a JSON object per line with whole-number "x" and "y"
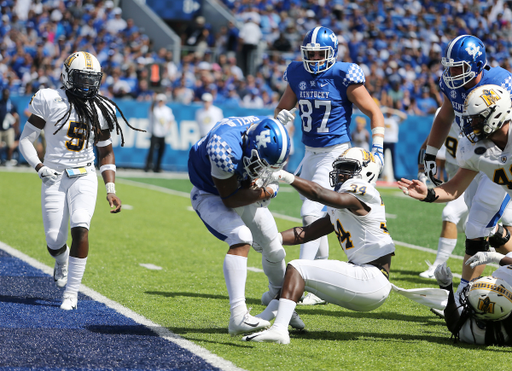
{"x": 223, "y": 146}
{"x": 325, "y": 109}
{"x": 490, "y": 75}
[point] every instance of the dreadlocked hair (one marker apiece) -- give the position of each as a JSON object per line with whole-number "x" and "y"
{"x": 467, "y": 313}
{"x": 87, "y": 114}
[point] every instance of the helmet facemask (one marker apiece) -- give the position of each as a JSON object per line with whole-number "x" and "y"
{"x": 457, "y": 81}
{"x": 85, "y": 84}
{"x": 343, "y": 170}
{"x": 317, "y": 65}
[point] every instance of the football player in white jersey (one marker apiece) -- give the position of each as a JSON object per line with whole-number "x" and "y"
{"x": 485, "y": 149}
{"x": 75, "y": 118}
{"x": 356, "y": 213}
{"x": 483, "y": 316}
{"x": 326, "y": 91}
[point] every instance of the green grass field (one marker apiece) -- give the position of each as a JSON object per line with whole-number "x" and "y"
{"x": 189, "y": 297}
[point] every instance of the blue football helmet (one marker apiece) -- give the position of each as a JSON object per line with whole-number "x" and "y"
{"x": 464, "y": 51}
{"x": 267, "y": 146}
{"x": 319, "y": 39}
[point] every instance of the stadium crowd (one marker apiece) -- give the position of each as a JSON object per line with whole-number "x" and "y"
{"x": 398, "y": 44}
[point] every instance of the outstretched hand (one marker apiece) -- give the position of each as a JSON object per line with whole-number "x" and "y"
{"x": 413, "y": 188}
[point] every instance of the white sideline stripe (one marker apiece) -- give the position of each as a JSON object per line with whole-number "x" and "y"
{"x": 163, "y": 332}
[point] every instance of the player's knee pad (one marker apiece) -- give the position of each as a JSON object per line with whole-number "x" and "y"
{"x": 56, "y": 238}
{"x": 474, "y": 246}
{"x": 240, "y": 235}
{"x": 274, "y": 252}
{"x": 500, "y": 238}
{"x": 80, "y": 218}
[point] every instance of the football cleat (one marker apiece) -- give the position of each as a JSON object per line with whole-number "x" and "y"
{"x": 69, "y": 301}
{"x": 429, "y": 273}
{"x": 269, "y": 336}
{"x": 246, "y": 324}
{"x": 296, "y": 322}
{"x": 311, "y": 299}
{"x": 60, "y": 274}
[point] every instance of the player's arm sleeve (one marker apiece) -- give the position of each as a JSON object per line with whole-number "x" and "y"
{"x": 354, "y": 75}
{"x": 28, "y": 137}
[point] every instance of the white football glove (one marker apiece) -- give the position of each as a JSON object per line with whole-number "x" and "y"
{"x": 275, "y": 187}
{"x": 422, "y": 177}
{"x": 443, "y": 275}
{"x": 378, "y": 153}
{"x": 482, "y": 257}
{"x": 282, "y": 175}
{"x": 286, "y": 116}
{"x": 48, "y": 176}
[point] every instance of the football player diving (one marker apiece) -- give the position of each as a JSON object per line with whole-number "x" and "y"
{"x": 75, "y": 118}
{"x": 356, "y": 214}
{"x": 229, "y": 169}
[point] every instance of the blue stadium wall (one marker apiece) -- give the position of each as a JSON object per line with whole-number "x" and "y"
{"x": 185, "y": 133}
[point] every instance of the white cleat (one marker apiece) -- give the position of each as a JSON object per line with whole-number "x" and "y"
{"x": 246, "y": 324}
{"x": 296, "y": 322}
{"x": 269, "y": 336}
{"x": 69, "y": 302}
{"x": 60, "y": 274}
{"x": 429, "y": 273}
{"x": 311, "y": 299}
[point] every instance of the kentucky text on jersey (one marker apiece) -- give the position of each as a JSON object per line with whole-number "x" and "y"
{"x": 314, "y": 94}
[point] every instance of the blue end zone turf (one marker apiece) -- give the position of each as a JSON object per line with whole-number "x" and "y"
{"x": 36, "y": 334}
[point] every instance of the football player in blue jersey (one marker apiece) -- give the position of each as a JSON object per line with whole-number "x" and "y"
{"x": 326, "y": 91}
{"x": 466, "y": 69}
{"x": 228, "y": 168}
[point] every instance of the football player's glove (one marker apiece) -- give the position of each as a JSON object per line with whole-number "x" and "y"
{"x": 431, "y": 166}
{"x": 48, "y": 176}
{"x": 443, "y": 275}
{"x": 285, "y": 116}
{"x": 486, "y": 257}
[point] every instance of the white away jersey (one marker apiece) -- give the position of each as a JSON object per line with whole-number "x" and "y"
{"x": 363, "y": 238}
{"x": 68, "y": 147}
{"x": 486, "y": 157}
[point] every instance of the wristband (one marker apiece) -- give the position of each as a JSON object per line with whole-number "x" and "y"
{"x": 431, "y": 196}
{"x": 107, "y": 167}
{"x": 287, "y": 177}
{"x": 431, "y": 150}
{"x": 104, "y": 143}
{"x": 111, "y": 188}
{"x": 378, "y": 130}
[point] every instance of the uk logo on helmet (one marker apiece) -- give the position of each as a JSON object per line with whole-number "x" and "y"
{"x": 263, "y": 138}
{"x": 474, "y": 51}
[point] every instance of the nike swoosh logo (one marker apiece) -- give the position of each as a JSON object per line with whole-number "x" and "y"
{"x": 322, "y": 85}
{"x": 252, "y": 324}
{"x": 249, "y": 338}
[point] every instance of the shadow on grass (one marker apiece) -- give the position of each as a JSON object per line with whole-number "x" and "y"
{"x": 249, "y": 301}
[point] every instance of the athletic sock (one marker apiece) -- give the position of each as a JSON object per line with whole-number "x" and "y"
{"x": 235, "y": 275}
{"x": 76, "y": 271}
{"x": 444, "y": 249}
{"x": 284, "y": 314}
{"x": 270, "y": 311}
